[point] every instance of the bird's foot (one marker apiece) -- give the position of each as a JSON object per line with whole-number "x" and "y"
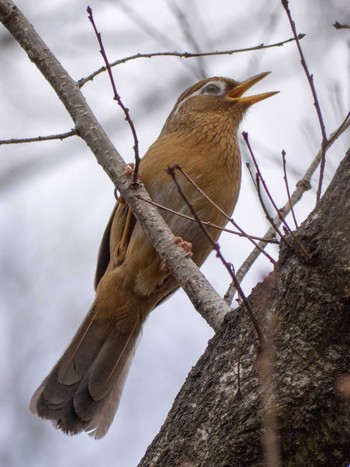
{"x": 186, "y": 246}
{"x": 130, "y": 168}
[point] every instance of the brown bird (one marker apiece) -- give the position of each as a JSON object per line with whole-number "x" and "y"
{"x": 83, "y": 390}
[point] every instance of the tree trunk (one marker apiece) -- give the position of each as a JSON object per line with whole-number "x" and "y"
{"x": 216, "y": 419}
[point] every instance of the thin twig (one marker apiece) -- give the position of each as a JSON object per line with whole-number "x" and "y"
{"x": 117, "y": 97}
{"x": 344, "y": 125}
{"x": 37, "y": 139}
{"x": 206, "y": 223}
{"x": 261, "y": 178}
{"x": 186, "y": 55}
{"x": 266, "y": 32}
{"x": 338, "y": 25}
{"x": 267, "y": 214}
{"x": 253, "y": 179}
{"x": 310, "y": 79}
{"x": 282, "y": 218}
{"x": 216, "y": 247}
{"x": 285, "y": 178}
{"x": 244, "y": 234}
{"x": 303, "y": 185}
{"x": 256, "y": 183}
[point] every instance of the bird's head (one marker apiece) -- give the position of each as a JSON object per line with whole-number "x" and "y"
{"x": 213, "y": 100}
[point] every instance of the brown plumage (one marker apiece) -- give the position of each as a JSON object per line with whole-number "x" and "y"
{"x": 83, "y": 390}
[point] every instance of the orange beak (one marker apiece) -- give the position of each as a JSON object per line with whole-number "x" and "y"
{"x": 237, "y": 92}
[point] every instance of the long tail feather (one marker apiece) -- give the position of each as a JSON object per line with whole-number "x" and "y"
{"x": 83, "y": 390}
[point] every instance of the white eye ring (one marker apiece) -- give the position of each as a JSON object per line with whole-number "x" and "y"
{"x": 211, "y": 88}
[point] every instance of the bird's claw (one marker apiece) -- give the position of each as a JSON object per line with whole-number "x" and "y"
{"x": 129, "y": 169}
{"x": 186, "y": 246}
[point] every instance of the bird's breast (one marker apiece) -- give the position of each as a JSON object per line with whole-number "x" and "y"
{"x": 213, "y": 165}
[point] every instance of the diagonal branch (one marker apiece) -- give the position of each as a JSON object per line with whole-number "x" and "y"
{"x": 243, "y": 233}
{"x": 285, "y": 178}
{"x": 186, "y": 55}
{"x": 303, "y": 185}
{"x": 38, "y": 139}
{"x": 310, "y": 78}
{"x": 338, "y": 25}
{"x": 205, "y": 299}
{"x": 207, "y": 223}
{"x": 228, "y": 266}
{"x": 116, "y": 96}
{"x": 259, "y": 179}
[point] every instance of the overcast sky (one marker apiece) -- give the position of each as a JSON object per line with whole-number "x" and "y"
{"x": 55, "y": 199}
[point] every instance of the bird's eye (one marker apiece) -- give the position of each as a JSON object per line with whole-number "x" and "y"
{"x": 211, "y": 88}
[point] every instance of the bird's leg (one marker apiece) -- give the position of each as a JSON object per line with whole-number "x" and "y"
{"x": 186, "y": 246}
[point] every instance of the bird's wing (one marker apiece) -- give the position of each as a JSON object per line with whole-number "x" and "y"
{"x": 104, "y": 254}
{"x": 123, "y": 223}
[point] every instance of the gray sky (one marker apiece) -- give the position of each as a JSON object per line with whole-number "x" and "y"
{"x": 55, "y": 200}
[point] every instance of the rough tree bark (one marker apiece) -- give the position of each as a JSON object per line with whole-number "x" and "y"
{"x": 214, "y": 423}
{"x": 216, "y": 419}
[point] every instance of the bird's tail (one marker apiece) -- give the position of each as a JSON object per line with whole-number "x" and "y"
{"x": 83, "y": 390}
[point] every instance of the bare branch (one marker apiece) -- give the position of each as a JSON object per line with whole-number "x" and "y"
{"x": 303, "y": 185}
{"x": 267, "y": 214}
{"x": 338, "y": 25}
{"x": 285, "y": 178}
{"x": 310, "y": 79}
{"x": 205, "y": 299}
{"x": 267, "y": 191}
{"x": 216, "y": 247}
{"x": 206, "y": 223}
{"x": 243, "y": 233}
{"x": 117, "y": 97}
{"x": 186, "y": 55}
{"x": 36, "y": 139}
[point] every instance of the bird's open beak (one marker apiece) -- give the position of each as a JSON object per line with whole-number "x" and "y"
{"x": 237, "y": 92}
